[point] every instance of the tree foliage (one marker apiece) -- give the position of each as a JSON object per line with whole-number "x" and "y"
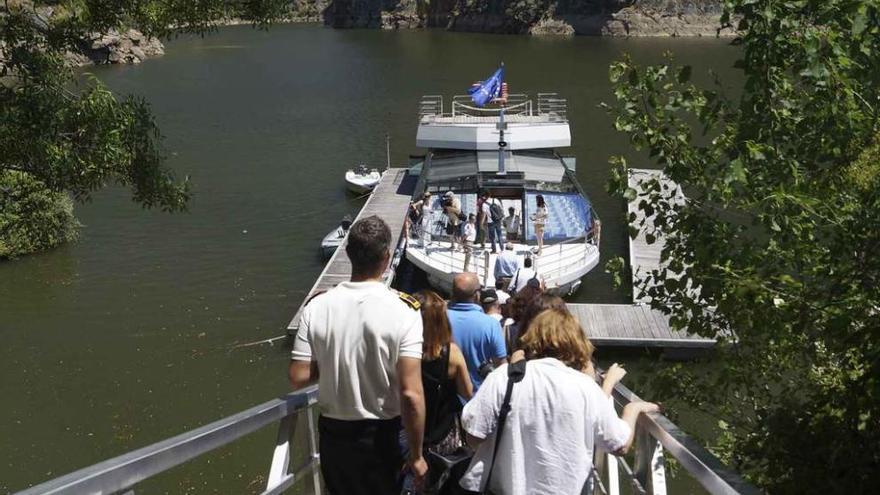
{"x": 32, "y": 217}
{"x": 78, "y": 141}
{"x": 778, "y": 244}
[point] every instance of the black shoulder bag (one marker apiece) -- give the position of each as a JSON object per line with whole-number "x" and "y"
{"x": 515, "y": 374}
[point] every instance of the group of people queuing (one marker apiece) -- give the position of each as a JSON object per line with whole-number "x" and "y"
{"x": 423, "y": 396}
{"x": 488, "y": 222}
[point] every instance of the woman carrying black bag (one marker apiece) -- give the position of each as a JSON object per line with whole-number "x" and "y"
{"x": 536, "y": 427}
{"x": 444, "y": 378}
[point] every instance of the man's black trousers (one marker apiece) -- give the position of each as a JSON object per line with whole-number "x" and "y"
{"x": 361, "y": 457}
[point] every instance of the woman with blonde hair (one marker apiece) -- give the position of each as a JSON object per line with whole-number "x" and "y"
{"x": 558, "y": 415}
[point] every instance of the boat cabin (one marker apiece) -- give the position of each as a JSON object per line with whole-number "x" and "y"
{"x": 509, "y": 152}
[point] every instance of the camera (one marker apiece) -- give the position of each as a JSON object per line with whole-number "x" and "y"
{"x": 485, "y": 368}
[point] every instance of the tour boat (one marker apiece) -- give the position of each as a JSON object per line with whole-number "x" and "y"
{"x": 508, "y": 150}
{"x": 335, "y": 237}
{"x": 361, "y": 180}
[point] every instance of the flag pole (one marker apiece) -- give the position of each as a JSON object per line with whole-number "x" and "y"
{"x": 501, "y": 126}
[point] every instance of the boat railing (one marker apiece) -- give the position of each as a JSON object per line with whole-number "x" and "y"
{"x": 555, "y": 257}
{"x": 296, "y": 417}
{"x": 549, "y": 106}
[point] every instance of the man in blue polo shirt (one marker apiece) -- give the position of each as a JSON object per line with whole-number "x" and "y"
{"x": 476, "y": 333}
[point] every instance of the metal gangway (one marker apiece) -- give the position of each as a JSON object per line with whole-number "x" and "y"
{"x": 656, "y": 437}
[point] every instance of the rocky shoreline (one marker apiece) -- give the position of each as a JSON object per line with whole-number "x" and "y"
{"x": 114, "y": 47}
{"x": 619, "y": 18}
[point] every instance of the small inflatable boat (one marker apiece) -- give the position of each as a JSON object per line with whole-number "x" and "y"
{"x": 334, "y": 239}
{"x": 360, "y": 179}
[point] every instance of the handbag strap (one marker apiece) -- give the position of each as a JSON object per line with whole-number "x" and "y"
{"x": 515, "y": 373}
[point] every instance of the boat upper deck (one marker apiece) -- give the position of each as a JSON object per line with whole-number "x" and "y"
{"x": 527, "y": 123}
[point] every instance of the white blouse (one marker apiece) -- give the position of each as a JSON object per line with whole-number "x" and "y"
{"x": 557, "y": 416}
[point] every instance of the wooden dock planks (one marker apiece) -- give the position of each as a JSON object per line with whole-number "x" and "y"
{"x": 386, "y": 202}
{"x": 631, "y": 325}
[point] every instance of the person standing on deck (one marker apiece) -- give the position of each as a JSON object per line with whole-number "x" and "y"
{"x": 493, "y": 211}
{"x": 476, "y": 333}
{"x": 452, "y": 208}
{"x": 468, "y": 237}
{"x": 362, "y": 342}
{"x": 511, "y": 224}
{"x": 506, "y": 264}
{"x": 482, "y": 218}
{"x": 539, "y": 221}
{"x": 416, "y": 213}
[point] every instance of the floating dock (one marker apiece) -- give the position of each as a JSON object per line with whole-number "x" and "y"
{"x": 607, "y": 325}
{"x": 637, "y": 325}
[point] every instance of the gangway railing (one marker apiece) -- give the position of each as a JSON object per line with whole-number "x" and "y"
{"x": 655, "y": 435}
{"x": 121, "y": 474}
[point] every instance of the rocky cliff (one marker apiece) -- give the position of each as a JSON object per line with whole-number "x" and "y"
{"x": 565, "y": 17}
{"x": 114, "y": 47}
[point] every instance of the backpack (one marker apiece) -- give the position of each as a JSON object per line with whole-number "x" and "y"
{"x": 495, "y": 211}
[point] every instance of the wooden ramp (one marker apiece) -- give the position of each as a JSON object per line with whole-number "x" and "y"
{"x": 644, "y": 257}
{"x": 390, "y": 203}
{"x": 632, "y": 325}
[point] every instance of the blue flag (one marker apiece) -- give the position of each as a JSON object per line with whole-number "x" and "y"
{"x": 487, "y": 90}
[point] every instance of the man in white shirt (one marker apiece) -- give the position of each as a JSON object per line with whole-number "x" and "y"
{"x": 511, "y": 224}
{"x": 363, "y": 343}
{"x": 522, "y": 276}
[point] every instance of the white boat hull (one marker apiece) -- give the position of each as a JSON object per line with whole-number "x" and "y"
{"x": 561, "y": 266}
{"x": 361, "y": 184}
{"x": 332, "y": 241}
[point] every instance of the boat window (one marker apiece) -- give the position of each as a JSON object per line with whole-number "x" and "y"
{"x": 452, "y": 167}
{"x": 569, "y": 215}
{"x": 457, "y": 169}
{"x": 537, "y": 167}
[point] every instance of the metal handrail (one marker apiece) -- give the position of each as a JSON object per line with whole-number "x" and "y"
{"x": 123, "y": 472}
{"x": 654, "y": 433}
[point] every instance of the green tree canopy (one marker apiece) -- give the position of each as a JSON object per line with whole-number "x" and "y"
{"x": 80, "y": 141}
{"x": 780, "y": 237}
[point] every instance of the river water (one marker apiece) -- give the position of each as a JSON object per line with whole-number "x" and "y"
{"x": 128, "y": 336}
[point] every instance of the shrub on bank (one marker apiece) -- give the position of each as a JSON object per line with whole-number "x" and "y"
{"x": 32, "y": 217}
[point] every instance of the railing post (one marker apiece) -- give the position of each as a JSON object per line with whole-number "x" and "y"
{"x": 313, "y": 450}
{"x": 650, "y": 466}
{"x": 281, "y": 456}
{"x": 486, "y": 268}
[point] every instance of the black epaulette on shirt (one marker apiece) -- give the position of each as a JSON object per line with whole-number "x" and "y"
{"x": 409, "y": 300}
